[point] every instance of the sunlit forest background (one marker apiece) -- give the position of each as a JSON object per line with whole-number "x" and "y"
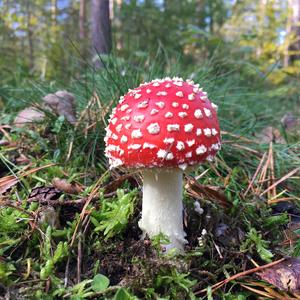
{"x": 52, "y": 40}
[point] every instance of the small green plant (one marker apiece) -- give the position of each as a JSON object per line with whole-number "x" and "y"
{"x": 123, "y": 294}
{"x": 159, "y": 240}
{"x": 58, "y": 124}
{"x": 114, "y": 214}
{"x": 255, "y": 241}
{"x": 276, "y": 221}
{"x": 234, "y": 296}
{"x": 60, "y": 252}
{"x": 87, "y": 288}
{"x": 12, "y": 226}
{"x": 6, "y": 269}
{"x": 178, "y": 284}
{"x": 100, "y": 283}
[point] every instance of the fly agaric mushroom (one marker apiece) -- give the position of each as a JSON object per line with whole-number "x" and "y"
{"x": 162, "y": 127}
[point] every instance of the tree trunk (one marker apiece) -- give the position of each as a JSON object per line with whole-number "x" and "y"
{"x": 295, "y": 30}
{"x": 288, "y": 28}
{"x": 82, "y": 19}
{"x": 29, "y": 35}
{"x": 101, "y": 30}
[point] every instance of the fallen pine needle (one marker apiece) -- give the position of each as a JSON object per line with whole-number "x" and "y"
{"x": 239, "y": 137}
{"x": 259, "y": 292}
{"x": 273, "y": 201}
{"x": 255, "y": 174}
{"x": 242, "y": 274}
{"x": 245, "y": 148}
{"x": 281, "y": 180}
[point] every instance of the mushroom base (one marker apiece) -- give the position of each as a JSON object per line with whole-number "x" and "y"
{"x": 162, "y": 210}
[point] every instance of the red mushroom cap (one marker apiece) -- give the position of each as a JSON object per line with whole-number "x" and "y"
{"x": 163, "y": 123}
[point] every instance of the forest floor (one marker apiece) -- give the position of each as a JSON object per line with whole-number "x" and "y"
{"x": 69, "y": 225}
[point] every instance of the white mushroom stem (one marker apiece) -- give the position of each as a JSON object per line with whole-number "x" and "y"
{"x": 162, "y": 210}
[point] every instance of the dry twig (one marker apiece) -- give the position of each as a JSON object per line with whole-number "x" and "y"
{"x": 239, "y": 275}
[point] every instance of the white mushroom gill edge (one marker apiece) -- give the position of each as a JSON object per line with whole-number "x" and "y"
{"x": 162, "y": 210}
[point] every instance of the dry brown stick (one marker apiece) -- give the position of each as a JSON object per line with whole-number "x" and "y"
{"x": 263, "y": 174}
{"x": 91, "y": 126}
{"x": 262, "y": 293}
{"x": 266, "y": 180}
{"x": 269, "y": 195}
{"x": 272, "y": 192}
{"x": 104, "y": 108}
{"x": 35, "y": 170}
{"x": 281, "y": 180}
{"x": 276, "y": 200}
{"x": 255, "y": 174}
{"x": 246, "y": 148}
{"x": 5, "y": 134}
{"x": 242, "y": 274}
{"x": 215, "y": 170}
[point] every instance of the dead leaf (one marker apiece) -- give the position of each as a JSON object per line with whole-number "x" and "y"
{"x": 270, "y": 134}
{"x": 7, "y": 182}
{"x": 63, "y": 104}
{"x": 285, "y": 275}
{"x": 28, "y": 116}
{"x": 196, "y": 189}
{"x": 22, "y": 159}
{"x": 66, "y": 187}
{"x": 11, "y": 180}
{"x": 115, "y": 183}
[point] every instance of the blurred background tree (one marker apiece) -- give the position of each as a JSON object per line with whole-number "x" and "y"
{"x": 46, "y": 39}
{"x": 101, "y": 31}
